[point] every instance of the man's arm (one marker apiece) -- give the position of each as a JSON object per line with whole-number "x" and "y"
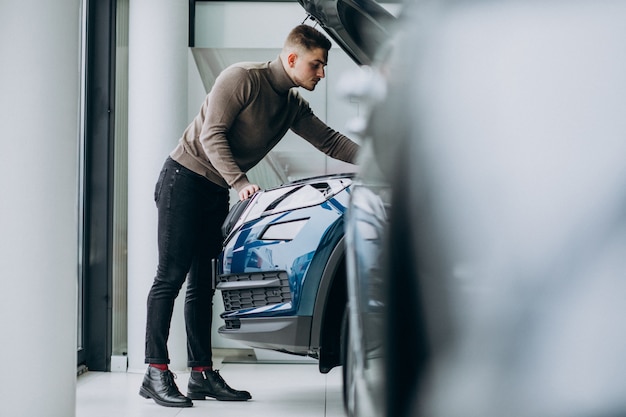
{"x": 324, "y": 138}
{"x": 229, "y": 95}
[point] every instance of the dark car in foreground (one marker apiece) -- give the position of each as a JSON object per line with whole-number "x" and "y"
{"x": 500, "y": 285}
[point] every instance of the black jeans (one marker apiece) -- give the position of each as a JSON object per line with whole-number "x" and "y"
{"x": 191, "y": 210}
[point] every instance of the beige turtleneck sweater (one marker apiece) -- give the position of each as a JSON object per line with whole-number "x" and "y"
{"x": 247, "y": 112}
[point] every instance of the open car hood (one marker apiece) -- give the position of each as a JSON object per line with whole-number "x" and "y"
{"x": 358, "y": 26}
{"x": 306, "y": 192}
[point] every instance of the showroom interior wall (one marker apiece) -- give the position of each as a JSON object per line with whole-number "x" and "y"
{"x": 157, "y": 115}
{"x": 39, "y": 108}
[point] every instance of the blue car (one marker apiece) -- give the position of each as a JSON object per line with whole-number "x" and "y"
{"x": 281, "y": 272}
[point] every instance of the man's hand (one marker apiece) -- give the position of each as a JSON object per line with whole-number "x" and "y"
{"x": 248, "y": 191}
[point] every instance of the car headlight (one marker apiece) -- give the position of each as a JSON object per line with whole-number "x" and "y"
{"x": 283, "y": 231}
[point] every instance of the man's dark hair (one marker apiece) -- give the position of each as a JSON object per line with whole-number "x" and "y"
{"x": 308, "y": 37}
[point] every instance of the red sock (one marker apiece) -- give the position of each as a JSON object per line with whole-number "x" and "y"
{"x": 201, "y": 368}
{"x": 161, "y": 366}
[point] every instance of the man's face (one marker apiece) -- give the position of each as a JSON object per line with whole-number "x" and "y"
{"x": 308, "y": 67}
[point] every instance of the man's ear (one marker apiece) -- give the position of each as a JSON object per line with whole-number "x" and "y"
{"x": 291, "y": 59}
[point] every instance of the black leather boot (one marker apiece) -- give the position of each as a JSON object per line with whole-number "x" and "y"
{"x": 211, "y": 384}
{"x": 160, "y": 386}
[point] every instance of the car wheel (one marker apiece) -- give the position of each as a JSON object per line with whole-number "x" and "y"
{"x": 349, "y": 365}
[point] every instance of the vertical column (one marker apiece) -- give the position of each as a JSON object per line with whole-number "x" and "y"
{"x": 157, "y": 102}
{"x": 39, "y": 131}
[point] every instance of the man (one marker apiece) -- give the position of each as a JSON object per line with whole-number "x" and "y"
{"x": 247, "y": 112}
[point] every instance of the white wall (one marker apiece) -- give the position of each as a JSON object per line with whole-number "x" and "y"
{"x": 245, "y": 25}
{"x": 157, "y": 103}
{"x": 39, "y": 131}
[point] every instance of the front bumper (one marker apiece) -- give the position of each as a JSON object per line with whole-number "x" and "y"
{"x": 286, "y": 334}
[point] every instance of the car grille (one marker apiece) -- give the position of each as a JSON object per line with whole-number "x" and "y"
{"x": 241, "y": 291}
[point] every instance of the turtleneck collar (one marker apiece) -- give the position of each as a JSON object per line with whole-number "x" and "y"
{"x": 279, "y": 79}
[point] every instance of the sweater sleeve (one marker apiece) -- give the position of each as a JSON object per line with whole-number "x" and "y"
{"x": 230, "y": 93}
{"x": 324, "y": 138}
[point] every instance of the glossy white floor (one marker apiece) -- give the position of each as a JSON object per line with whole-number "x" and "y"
{"x": 278, "y": 388}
